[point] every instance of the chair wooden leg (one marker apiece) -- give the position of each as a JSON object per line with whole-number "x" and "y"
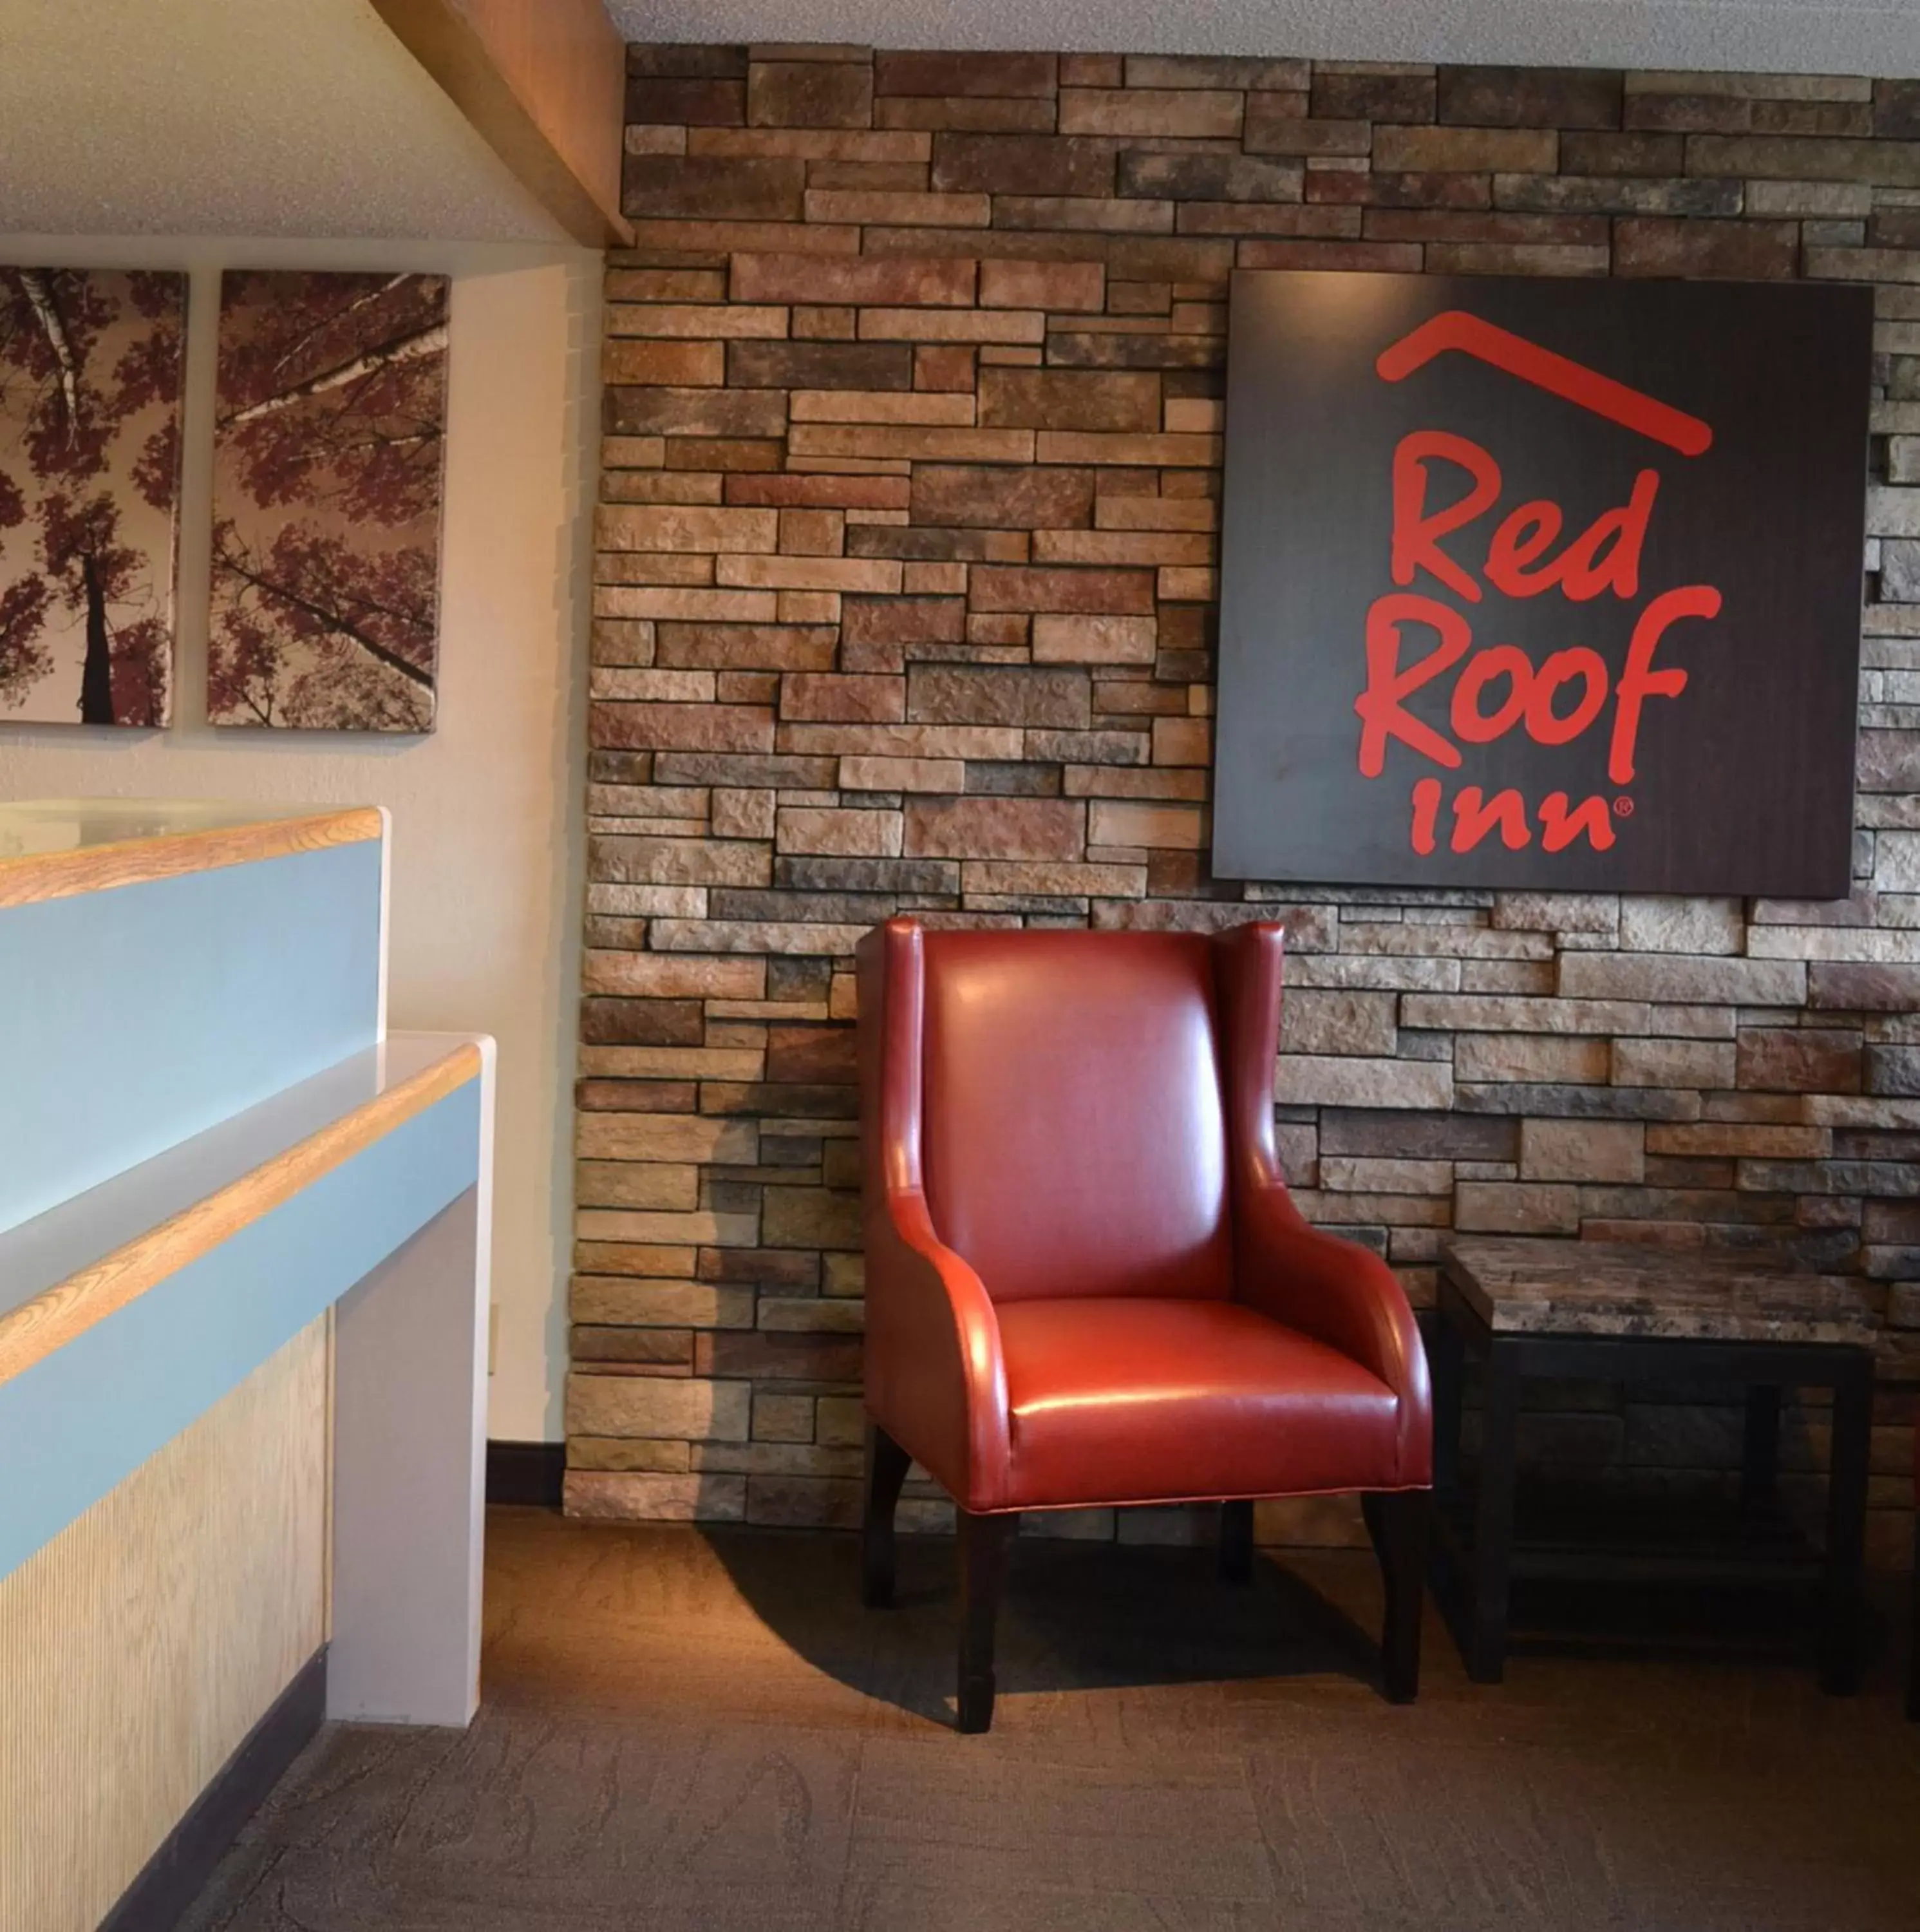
{"x": 1236, "y": 1541}
{"x": 983, "y": 1567}
{"x": 1396, "y": 1522}
{"x": 887, "y": 1464}
{"x": 1913, "y": 1660}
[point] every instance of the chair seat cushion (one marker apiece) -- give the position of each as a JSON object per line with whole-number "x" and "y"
{"x": 1138, "y": 1399}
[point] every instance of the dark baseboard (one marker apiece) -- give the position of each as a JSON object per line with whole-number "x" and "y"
{"x": 177, "y": 1873}
{"x": 525, "y": 1472}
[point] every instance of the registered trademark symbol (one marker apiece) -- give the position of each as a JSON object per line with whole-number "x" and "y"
{"x": 1623, "y": 807}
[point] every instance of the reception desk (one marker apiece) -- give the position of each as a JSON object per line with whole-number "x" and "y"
{"x": 243, "y": 1316}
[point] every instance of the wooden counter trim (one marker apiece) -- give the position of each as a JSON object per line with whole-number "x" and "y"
{"x": 164, "y": 855}
{"x": 34, "y": 1331}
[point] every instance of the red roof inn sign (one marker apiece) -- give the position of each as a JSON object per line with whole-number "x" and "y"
{"x": 1542, "y": 584}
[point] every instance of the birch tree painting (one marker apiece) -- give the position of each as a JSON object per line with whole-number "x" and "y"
{"x": 90, "y": 381}
{"x": 330, "y": 421}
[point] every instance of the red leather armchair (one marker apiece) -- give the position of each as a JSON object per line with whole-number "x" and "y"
{"x": 1086, "y": 1283}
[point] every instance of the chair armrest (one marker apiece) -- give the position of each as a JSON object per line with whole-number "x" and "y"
{"x": 1342, "y": 1294}
{"x": 936, "y": 1380}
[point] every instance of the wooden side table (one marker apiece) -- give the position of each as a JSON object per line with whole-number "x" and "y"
{"x": 1622, "y": 1312}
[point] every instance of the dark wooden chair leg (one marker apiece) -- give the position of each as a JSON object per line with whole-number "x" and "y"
{"x": 1847, "y": 1475}
{"x": 983, "y": 1567}
{"x": 1236, "y": 1541}
{"x": 887, "y": 1465}
{"x": 1913, "y": 1659}
{"x": 1396, "y": 1522}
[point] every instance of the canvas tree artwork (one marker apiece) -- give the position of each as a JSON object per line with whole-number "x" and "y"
{"x": 90, "y": 387}
{"x": 330, "y": 423}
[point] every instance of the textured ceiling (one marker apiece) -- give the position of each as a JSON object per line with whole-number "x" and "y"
{"x": 1880, "y": 37}
{"x": 237, "y": 117}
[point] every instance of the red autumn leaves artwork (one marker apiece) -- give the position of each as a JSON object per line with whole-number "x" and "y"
{"x": 330, "y": 427}
{"x": 90, "y": 384}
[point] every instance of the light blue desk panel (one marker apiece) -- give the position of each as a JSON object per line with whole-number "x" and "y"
{"x": 136, "y": 1017}
{"x": 77, "y": 1423}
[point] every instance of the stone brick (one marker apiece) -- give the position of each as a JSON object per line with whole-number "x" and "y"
{"x": 1064, "y": 639}
{"x": 1217, "y": 70}
{"x": 748, "y": 646}
{"x": 1893, "y": 1069}
{"x": 1372, "y": 96}
{"x": 645, "y": 1405}
{"x": 628, "y": 1301}
{"x": 1022, "y": 164}
{"x": 676, "y": 527}
{"x": 1009, "y": 695}
{"x": 1111, "y": 215}
{"x": 1665, "y": 924}
{"x": 1114, "y": 824}
{"x": 1530, "y": 96}
{"x": 1741, "y": 250}
{"x": 1343, "y": 1174}
{"x": 1002, "y": 77}
{"x": 810, "y": 94}
{"x": 698, "y": 411}
{"x": 1474, "y": 150}
{"x": 1357, "y": 257}
{"x": 820, "y": 365}
{"x": 1674, "y": 1062}
{"x": 1209, "y": 177}
{"x": 1893, "y": 163}
{"x": 1514, "y": 258}
{"x": 739, "y": 191}
{"x": 902, "y": 620}
{"x": 1009, "y": 828}
{"x": 1516, "y": 1207}
{"x": 807, "y": 695}
{"x": 1059, "y": 399}
{"x": 1012, "y": 587}
{"x": 1896, "y": 109}
{"x": 891, "y": 279}
{"x": 645, "y": 974}
{"x": 1314, "y": 1080}
{"x": 982, "y": 113}
{"x": 1275, "y": 125}
{"x": 872, "y": 834}
{"x": 1888, "y": 761}
{"x": 1793, "y": 1059}
{"x": 687, "y": 100}
{"x": 1162, "y": 112}
{"x": 1554, "y": 1058}
{"x": 1052, "y": 878}
{"x": 641, "y": 1023}
{"x": 1848, "y": 986}
{"x": 600, "y": 1495}
{"x": 1620, "y": 194}
{"x": 686, "y": 365}
{"x": 1004, "y": 499}
{"x": 673, "y": 57}
{"x": 1484, "y": 1013}
{"x": 1758, "y": 983}
{"x": 1006, "y": 283}
{"x": 1338, "y": 1023}
{"x": 1416, "y": 1136}
{"x": 1583, "y": 1150}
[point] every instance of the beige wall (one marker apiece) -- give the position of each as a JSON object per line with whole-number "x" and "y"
{"x": 486, "y": 833}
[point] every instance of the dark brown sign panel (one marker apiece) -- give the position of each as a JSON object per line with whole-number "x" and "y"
{"x": 1542, "y": 584}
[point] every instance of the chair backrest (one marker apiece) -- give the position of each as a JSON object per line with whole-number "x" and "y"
{"x": 1073, "y": 1127}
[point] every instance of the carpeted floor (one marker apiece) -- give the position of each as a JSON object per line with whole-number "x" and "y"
{"x": 687, "y": 1732}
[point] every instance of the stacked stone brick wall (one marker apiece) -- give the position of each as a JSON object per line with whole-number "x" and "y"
{"x": 905, "y": 583}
